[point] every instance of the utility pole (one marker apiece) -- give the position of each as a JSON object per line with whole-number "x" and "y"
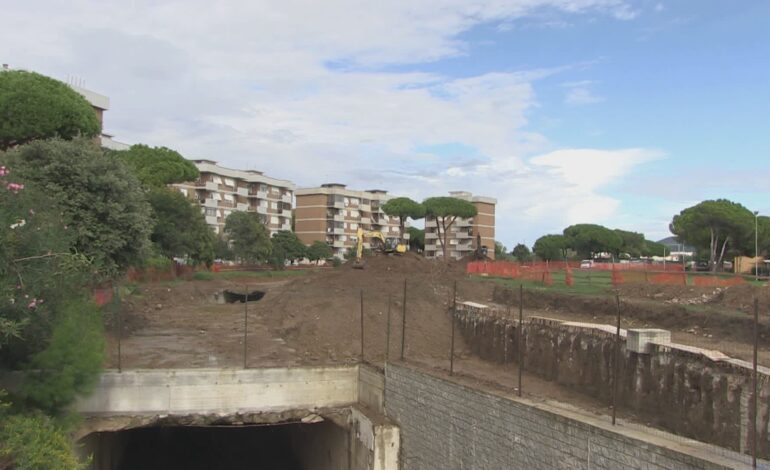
{"x": 756, "y": 245}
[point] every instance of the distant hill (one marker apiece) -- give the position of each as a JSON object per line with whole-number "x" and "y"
{"x": 674, "y": 244}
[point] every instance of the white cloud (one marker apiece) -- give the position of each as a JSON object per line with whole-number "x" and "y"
{"x": 305, "y": 90}
{"x": 579, "y": 93}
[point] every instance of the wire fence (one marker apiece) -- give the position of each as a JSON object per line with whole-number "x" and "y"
{"x": 681, "y": 373}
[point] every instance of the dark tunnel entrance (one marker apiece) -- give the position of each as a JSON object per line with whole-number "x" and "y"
{"x": 295, "y": 446}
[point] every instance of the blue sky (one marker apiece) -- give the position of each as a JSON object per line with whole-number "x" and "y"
{"x": 606, "y": 111}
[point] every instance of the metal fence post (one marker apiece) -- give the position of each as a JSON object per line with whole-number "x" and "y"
{"x": 120, "y": 327}
{"x": 362, "y": 325}
{"x": 387, "y": 335}
{"x": 616, "y": 360}
{"x": 520, "y": 336}
{"x": 403, "y": 324}
{"x": 754, "y": 394}
{"x": 245, "y": 326}
{"x": 452, "y": 341}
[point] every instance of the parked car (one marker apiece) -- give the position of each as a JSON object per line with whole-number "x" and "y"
{"x": 586, "y": 264}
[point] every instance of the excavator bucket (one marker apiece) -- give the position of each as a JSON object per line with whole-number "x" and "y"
{"x": 359, "y": 264}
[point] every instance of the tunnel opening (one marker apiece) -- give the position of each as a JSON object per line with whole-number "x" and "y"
{"x": 288, "y": 446}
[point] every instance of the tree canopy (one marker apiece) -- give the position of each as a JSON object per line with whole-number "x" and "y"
{"x": 714, "y": 226}
{"x": 590, "y": 239}
{"x": 446, "y": 210}
{"x": 101, "y": 200}
{"x": 521, "y": 252}
{"x": 180, "y": 229}
{"x": 403, "y": 208}
{"x": 551, "y": 247}
{"x": 286, "y": 246}
{"x": 318, "y": 251}
{"x": 250, "y": 240}
{"x": 33, "y": 106}
{"x": 157, "y": 166}
{"x": 416, "y": 239}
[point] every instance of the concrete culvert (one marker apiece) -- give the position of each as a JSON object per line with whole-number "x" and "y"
{"x": 232, "y": 297}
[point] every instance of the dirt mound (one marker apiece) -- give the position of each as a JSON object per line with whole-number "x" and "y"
{"x": 742, "y": 298}
{"x": 320, "y": 316}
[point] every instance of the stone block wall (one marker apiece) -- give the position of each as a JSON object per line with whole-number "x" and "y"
{"x": 692, "y": 392}
{"x": 445, "y": 425}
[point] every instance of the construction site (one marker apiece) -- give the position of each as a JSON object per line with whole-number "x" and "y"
{"x": 684, "y": 383}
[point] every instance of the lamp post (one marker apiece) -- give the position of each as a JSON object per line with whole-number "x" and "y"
{"x": 756, "y": 245}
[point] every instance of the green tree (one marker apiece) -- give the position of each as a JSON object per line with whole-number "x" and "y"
{"x": 34, "y": 107}
{"x": 33, "y": 441}
{"x": 286, "y": 246}
{"x": 101, "y": 200}
{"x": 222, "y": 249}
{"x": 521, "y": 252}
{"x": 590, "y": 239}
{"x": 631, "y": 243}
{"x": 403, "y": 208}
{"x": 70, "y": 364}
{"x": 180, "y": 229}
{"x": 501, "y": 252}
{"x": 651, "y": 248}
{"x": 446, "y": 211}
{"x": 551, "y": 247}
{"x": 416, "y": 239}
{"x": 249, "y": 239}
{"x": 157, "y": 166}
{"x": 714, "y": 226}
{"x": 318, "y": 251}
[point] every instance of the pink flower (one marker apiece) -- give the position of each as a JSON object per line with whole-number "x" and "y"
{"x": 33, "y": 304}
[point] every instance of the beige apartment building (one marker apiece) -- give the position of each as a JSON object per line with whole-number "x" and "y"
{"x": 220, "y": 191}
{"x": 464, "y": 232}
{"x": 332, "y": 214}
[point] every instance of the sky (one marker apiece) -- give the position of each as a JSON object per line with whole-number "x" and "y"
{"x": 614, "y": 112}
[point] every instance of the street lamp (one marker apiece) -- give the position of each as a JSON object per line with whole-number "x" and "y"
{"x": 756, "y": 246}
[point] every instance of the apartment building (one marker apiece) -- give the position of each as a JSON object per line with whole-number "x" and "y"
{"x": 332, "y": 214}
{"x": 220, "y": 191}
{"x": 464, "y": 232}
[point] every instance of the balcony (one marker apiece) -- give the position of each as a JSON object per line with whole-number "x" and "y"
{"x": 338, "y": 218}
{"x": 286, "y": 198}
{"x": 338, "y": 205}
{"x": 243, "y": 191}
{"x": 284, "y": 212}
{"x": 431, "y": 247}
{"x": 210, "y": 203}
{"x": 366, "y": 220}
{"x": 258, "y": 194}
{"x": 462, "y": 234}
{"x": 338, "y": 231}
{"x": 365, "y": 208}
{"x": 212, "y": 186}
{"x": 241, "y": 207}
{"x": 211, "y": 220}
{"x": 338, "y": 244}
{"x": 262, "y": 210}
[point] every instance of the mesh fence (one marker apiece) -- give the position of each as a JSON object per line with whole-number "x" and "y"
{"x": 708, "y": 380}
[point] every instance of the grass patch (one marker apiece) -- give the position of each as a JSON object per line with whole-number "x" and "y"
{"x": 595, "y": 285}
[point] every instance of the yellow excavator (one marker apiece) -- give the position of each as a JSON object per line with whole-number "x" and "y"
{"x": 385, "y": 245}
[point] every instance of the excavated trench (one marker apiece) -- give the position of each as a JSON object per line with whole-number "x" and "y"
{"x": 293, "y": 446}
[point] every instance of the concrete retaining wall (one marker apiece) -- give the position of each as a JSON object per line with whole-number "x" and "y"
{"x": 204, "y": 391}
{"x": 693, "y": 392}
{"x": 445, "y": 425}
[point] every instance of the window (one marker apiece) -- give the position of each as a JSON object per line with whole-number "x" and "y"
{"x": 347, "y": 201}
{"x": 216, "y": 196}
{"x": 229, "y": 182}
{"x": 354, "y": 226}
{"x": 273, "y": 204}
{"x": 210, "y": 211}
{"x": 217, "y": 179}
{"x": 274, "y": 220}
{"x": 229, "y": 197}
{"x": 354, "y": 201}
{"x": 354, "y": 214}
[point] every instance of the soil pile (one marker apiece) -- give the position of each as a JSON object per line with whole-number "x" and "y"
{"x": 320, "y": 316}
